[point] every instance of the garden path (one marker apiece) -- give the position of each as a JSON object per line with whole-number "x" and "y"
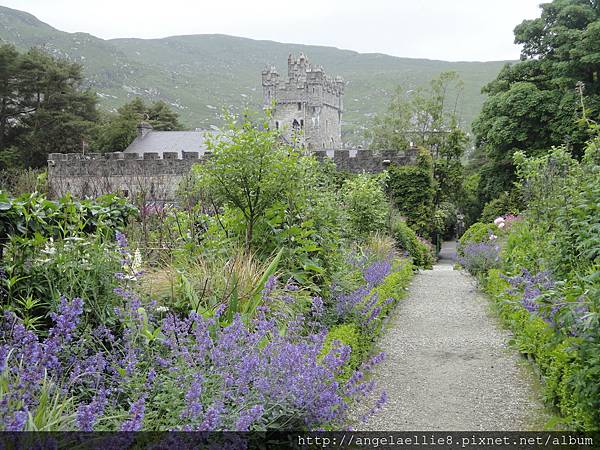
{"x": 448, "y": 364}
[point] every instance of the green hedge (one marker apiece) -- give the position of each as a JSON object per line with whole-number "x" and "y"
{"x": 407, "y": 240}
{"x": 555, "y": 355}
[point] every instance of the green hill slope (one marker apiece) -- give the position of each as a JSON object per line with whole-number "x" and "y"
{"x": 199, "y": 75}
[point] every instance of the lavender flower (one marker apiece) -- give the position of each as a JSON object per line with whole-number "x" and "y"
{"x": 317, "y": 306}
{"x": 375, "y": 273}
{"x": 248, "y": 417}
{"x": 87, "y": 415}
{"x": 136, "y": 415}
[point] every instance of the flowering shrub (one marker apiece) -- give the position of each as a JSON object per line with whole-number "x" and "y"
{"x": 44, "y": 270}
{"x": 476, "y": 233}
{"x": 480, "y": 257}
{"x": 157, "y": 370}
{"x": 553, "y": 304}
{"x": 232, "y": 378}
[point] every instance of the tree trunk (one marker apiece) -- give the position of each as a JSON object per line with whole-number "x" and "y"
{"x": 249, "y": 232}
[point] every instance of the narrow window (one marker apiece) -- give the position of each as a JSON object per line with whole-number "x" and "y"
{"x": 302, "y": 124}
{"x": 299, "y": 106}
{"x": 277, "y": 124}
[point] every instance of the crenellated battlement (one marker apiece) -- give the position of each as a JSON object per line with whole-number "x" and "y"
{"x": 308, "y": 104}
{"x": 157, "y": 178}
{"x": 94, "y": 174}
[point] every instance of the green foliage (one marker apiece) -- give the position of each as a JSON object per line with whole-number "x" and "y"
{"x": 526, "y": 247}
{"x": 427, "y": 118}
{"x": 408, "y": 241}
{"x": 558, "y": 359}
{"x": 533, "y": 105}
{"x": 506, "y": 203}
{"x": 478, "y": 232}
{"x": 116, "y": 132}
{"x": 412, "y": 191}
{"x": 43, "y": 109}
{"x": 395, "y": 284}
{"x": 47, "y": 253}
{"x": 249, "y": 170}
{"x": 40, "y": 271}
{"x": 560, "y": 235}
{"x": 366, "y": 205}
{"x": 32, "y": 214}
{"x": 54, "y": 411}
{"x": 419, "y": 115}
{"x": 347, "y": 334}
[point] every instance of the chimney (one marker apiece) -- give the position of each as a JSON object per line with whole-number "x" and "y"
{"x": 143, "y": 129}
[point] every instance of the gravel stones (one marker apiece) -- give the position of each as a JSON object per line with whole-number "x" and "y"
{"x": 448, "y": 365}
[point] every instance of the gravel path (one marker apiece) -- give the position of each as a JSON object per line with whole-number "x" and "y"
{"x": 448, "y": 364}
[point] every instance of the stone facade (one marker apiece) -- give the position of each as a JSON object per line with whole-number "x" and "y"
{"x": 307, "y": 106}
{"x": 130, "y": 174}
{"x": 156, "y": 179}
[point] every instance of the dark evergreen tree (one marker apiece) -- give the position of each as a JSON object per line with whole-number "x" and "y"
{"x": 118, "y": 131}
{"x": 42, "y": 107}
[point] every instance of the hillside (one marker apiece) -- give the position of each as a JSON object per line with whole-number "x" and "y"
{"x": 199, "y": 75}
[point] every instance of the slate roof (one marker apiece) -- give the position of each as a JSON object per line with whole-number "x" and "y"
{"x": 169, "y": 141}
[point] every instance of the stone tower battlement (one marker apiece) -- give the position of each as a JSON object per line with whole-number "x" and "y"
{"x": 307, "y": 105}
{"x": 157, "y": 179}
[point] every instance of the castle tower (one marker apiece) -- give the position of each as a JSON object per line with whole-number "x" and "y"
{"x": 308, "y": 106}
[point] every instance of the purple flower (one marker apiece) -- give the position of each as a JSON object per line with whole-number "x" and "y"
{"x": 375, "y": 273}
{"x": 480, "y": 257}
{"x": 18, "y": 422}
{"x": 136, "y": 416}
{"x": 88, "y": 414}
{"x": 248, "y": 417}
{"x": 121, "y": 239}
{"x": 317, "y": 306}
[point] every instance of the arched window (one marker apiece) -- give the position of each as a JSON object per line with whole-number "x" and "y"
{"x": 295, "y": 124}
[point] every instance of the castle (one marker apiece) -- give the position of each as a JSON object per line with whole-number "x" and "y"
{"x": 307, "y": 106}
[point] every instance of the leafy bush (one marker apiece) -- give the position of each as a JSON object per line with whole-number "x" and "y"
{"x": 408, "y": 241}
{"x": 42, "y": 271}
{"x": 347, "y": 334}
{"x": 33, "y": 213}
{"x": 476, "y": 233}
{"x": 479, "y": 258}
{"x": 551, "y": 295}
{"x": 412, "y": 191}
{"x": 507, "y": 203}
{"x": 365, "y": 204}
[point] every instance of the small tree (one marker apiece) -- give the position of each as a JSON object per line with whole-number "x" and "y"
{"x": 250, "y": 169}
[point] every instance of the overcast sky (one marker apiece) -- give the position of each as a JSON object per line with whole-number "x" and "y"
{"x": 453, "y": 30}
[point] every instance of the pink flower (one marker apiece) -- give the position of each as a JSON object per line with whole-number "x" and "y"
{"x": 498, "y": 221}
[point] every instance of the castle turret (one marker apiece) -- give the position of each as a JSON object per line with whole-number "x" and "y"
{"x": 308, "y": 105}
{"x": 270, "y": 83}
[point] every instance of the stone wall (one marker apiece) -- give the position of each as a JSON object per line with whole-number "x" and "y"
{"x": 157, "y": 179}
{"x": 370, "y": 161}
{"x": 130, "y": 174}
